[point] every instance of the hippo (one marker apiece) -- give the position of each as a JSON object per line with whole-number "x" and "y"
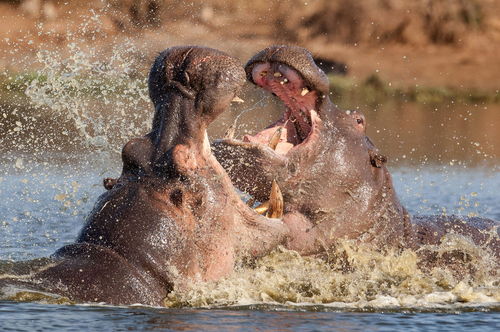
{"x": 334, "y": 181}
{"x": 173, "y": 215}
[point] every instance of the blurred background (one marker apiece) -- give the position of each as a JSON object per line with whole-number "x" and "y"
{"x": 426, "y": 42}
{"x": 425, "y": 72}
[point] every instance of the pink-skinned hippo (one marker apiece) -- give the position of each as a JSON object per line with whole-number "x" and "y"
{"x": 173, "y": 214}
{"x": 334, "y": 181}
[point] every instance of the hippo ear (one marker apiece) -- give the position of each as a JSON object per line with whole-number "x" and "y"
{"x": 377, "y": 159}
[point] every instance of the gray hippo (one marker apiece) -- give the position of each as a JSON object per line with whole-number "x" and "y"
{"x": 173, "y": 214}
{"x": 333, "y": 179}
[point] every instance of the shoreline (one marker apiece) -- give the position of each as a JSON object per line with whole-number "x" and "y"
{"x": 372, "y": 90}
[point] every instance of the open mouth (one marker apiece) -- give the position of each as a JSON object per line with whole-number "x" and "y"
{"x": 300, "y": 118}
{"x": 271, "y": 207}
{"x": 297, "y": 127}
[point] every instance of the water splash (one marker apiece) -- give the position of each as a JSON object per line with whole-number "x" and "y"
{"x": 103, "y": 94}
{"x": 352, "y": 276}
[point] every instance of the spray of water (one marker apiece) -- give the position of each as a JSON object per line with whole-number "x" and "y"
{"x": 100, "y": 96}
{"x": 354, "y": 276}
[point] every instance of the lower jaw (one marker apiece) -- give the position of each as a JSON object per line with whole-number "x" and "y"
{"x": 271, "y": 204}
{"x": 285, "y": 135}
{"x": 271, "y": 207}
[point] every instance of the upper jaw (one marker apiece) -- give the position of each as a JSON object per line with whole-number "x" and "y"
{"x": 300, "y": 120}
{"x": 295, "y": 57}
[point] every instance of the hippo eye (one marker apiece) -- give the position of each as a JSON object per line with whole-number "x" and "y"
{"x": 359, "y": 120}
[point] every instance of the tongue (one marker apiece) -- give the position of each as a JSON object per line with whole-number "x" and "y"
{"x": 298, "y": 127}
{"x": 262, "y": 137}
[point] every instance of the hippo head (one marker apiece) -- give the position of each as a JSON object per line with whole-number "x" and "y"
{"x": 333, "y": 179}
{"x": 173, "y": 215}
{"x": 189, "y": 88}
{"x": 303, "y": 88}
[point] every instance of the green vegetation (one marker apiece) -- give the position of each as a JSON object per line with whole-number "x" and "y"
{"x": 74, "y": 85}
{"x": 18, "y": 82}
{"x": 373, "y": 90}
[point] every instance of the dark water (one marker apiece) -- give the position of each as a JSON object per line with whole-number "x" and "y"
{"x": 36, "y": 317}
{"x": 443, "y": 160}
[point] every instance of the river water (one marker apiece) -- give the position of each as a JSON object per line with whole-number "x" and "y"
{"x": 56, "y": 148}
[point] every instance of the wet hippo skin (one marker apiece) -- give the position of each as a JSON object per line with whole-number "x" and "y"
{"x": 334, "y": 181}
{"x": 173, "y": 214}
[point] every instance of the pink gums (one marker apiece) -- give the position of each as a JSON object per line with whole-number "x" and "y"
{"x": 289, "y": 86}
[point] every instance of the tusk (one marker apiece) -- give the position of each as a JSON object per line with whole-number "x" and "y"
{"x": 304, "y": 92}
{"x": 275, "y": 139}
{"x": 206, "y": 144}
{"x": 277, "y": 74}
{"x": 275, "y": 202}
{"x": 262, "y": 208}
{"x": 237, "y": 99}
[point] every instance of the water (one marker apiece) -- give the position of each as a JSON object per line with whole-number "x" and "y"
{"x": 44, "y": 205}
{"x": 46, "y": 197}
{"x": 64, "y": 134}
{"x": 27, "y": 316}
{"x": 33, "y": 317}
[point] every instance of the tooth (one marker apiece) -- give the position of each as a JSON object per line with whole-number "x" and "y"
{"x": 277, "y": 74}
{"x": 275, "y": 139}
{"x": 285, "y": 80}
{"x": 263, "y": 73}
{"x": 275, "y": 202}
{"x": 237, "y": 99}
{"x": 304, "y": 92}
{"x": 262, "y": 208}
{"x": 206, "y": 144}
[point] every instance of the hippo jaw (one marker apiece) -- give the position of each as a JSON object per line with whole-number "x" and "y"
{"x": 300, "y": 122}
{"x": 215, "y": 90}
{"x": 290, "y": 73}
{"x": 296, "y": 139}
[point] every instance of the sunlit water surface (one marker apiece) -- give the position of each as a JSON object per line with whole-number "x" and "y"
{"x": 45, "y": 197}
